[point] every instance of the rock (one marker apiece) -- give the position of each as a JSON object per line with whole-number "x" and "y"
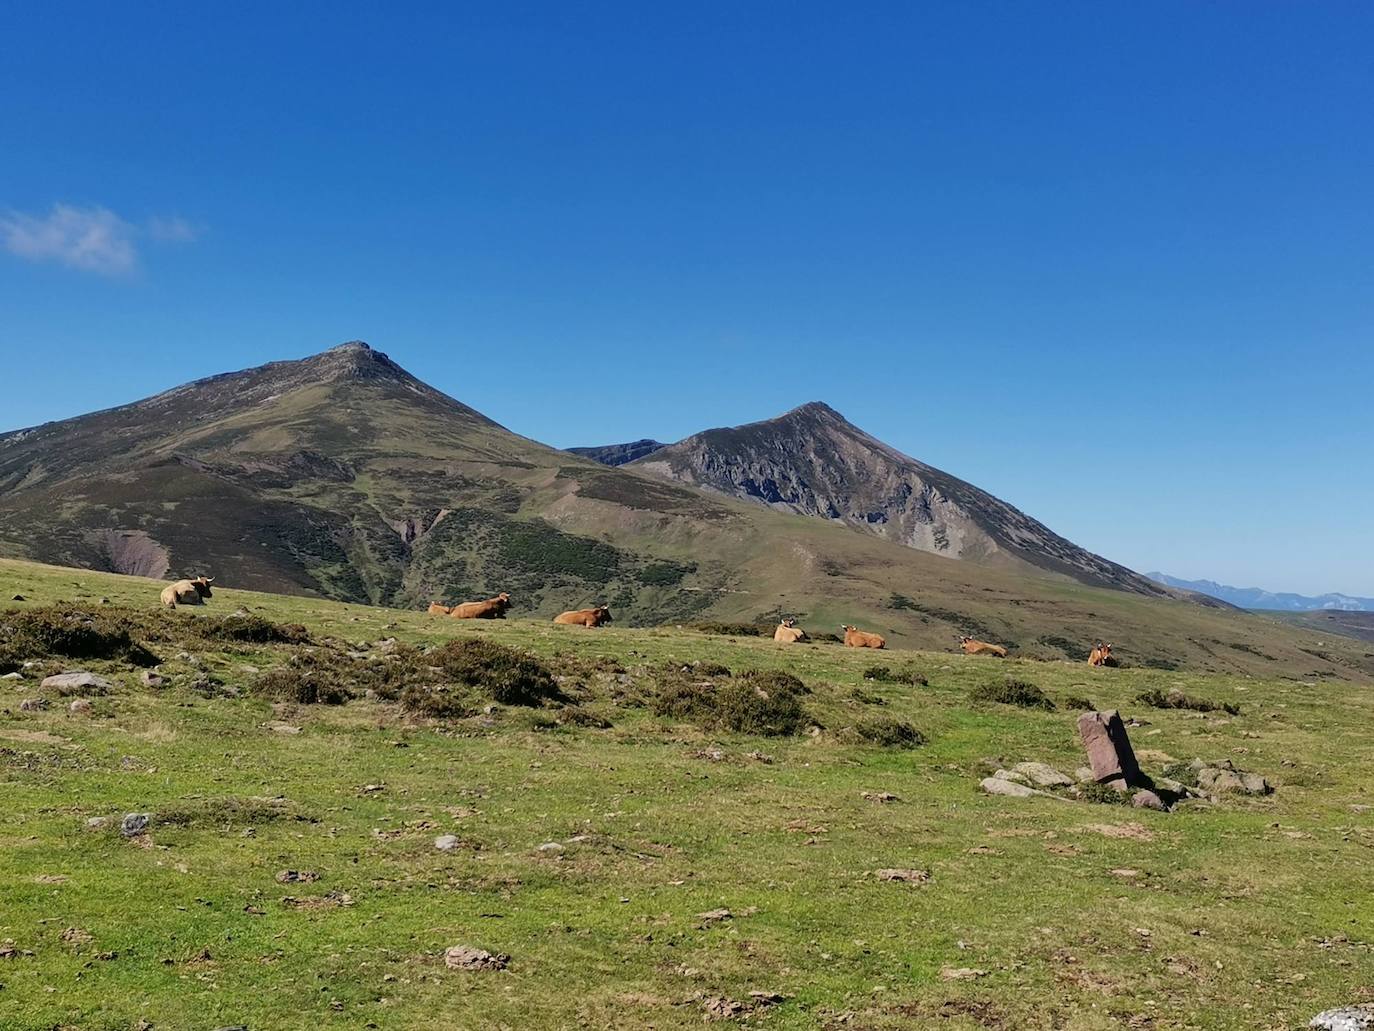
{"x": 297, "y": 876}
{"x": 97, "y": 823}
{"x": 1014, "y": 777}
{"x": 1346, "y": 1018}
{"x": 1224, "y": 779}
{"x": 1010, "y": 788}
{"x": 903, "y": 876}
{"x": 1146, "y": 799}
{"x": 961, "y": 973}
{"x": 446, "y": 842}
{"x": 1042, "y": 775}
{"x": 79, "y": 707}
{"x": 104, "y": 601}
{"x": 1109, "y": 748}
{"x": 17, "y": 597}
{"x": 151, "y": 679}
{"x": 550, "y": 846}
{"x": 714, "y": 916}
{"x": 77, "y": 682}
{"x": 463, "y": 957}
{"x": 12, "y": 676}
{"x": 1084, "y": 775}
{"x": 879, "y": 796}
{"x": 134, "y": 824}
{"x": 33, "y": 705}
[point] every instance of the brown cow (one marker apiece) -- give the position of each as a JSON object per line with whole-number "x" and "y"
{"x": 972, "y": 647}
{"x": 788, "y": 632}
{"x": 435, "y": 609}
{"x": 1108, "y": 659}
{"x": 854, "y": 638}
{"x": 585, "y": 617}
{"x": 187, "y": 592}
{"x": 492, "y": 608}
{"x": 1095, "y": 658}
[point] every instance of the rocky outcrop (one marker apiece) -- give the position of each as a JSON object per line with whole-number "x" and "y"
{"x": 814, "y": 462}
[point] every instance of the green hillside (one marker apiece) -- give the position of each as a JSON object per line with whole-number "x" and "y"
{"x": 342, "y": 476}
{"x": 598, "y": 835}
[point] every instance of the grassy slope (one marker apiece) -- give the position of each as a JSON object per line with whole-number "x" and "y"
{"x": 1253, "y": 914}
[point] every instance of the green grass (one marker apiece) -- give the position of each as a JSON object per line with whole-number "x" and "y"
{"x": 1251, "y": 914}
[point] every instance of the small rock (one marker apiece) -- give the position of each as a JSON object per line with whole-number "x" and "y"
{"x": 550, "y": 846}
{"x": 104, "y": 601}
{"x": 446, "y": 842}
{"x": 12, "y": 676}
{"x": 714, "y": 916}
{"x": 463, "y": 957}
{"x": 79, "y": 707}
{"x": 903, "y": 876}
{"x": 77, "y": 682}
{"x": 151, "y": 679}
{"x": 33, "y": 705}
{"x": 1346, "y": 1018}
{"x": 879, "y": 796}
{"x": 1012, "y": 776}
{"x": 961, "y": 973}
{"x": 1042, "y": 775}
{"x": 1146, "y": 799}
{"x": 18, "y": 597}
{"x": 1084, "y": 775}
{"x": 297, "y": 876}
{"x": 134, "y": 824}
{"x": 97, "y": 823}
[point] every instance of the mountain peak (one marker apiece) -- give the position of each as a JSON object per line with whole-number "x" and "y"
{"x": 813, "y": 410}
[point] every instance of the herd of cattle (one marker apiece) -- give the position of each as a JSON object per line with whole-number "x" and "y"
{"x": 193, "y": 592}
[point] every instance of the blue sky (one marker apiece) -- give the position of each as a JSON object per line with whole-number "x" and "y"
{"x": 1112, "y": 262}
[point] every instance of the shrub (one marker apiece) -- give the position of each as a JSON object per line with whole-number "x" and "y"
{"x": 304, "y": 682}
{"x": 505, "y": 675}
{"x": 576, "y": 716}
{"x": 1157, "y": 699}
{"x": 442, "y": 702}
{"x": 863, "y": 697}
{"x": 1182, "y": 772}
{"x": 1101, "y": 794}
{"x": 1078, "y": 703}
{"x": 1013, "y": 692}
{"x": 888, "y": 732}
{"x": 73, "y": 632}
{"x": 748, "y": 709}
{"x": 772, "y": 681}
{"x": 901, "y": 676}
{"x": 249, "y": 629}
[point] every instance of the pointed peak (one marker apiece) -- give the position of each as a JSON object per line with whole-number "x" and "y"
{"x": 815, "y": 408}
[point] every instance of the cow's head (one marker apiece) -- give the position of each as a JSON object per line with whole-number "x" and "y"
{"x": 847, "y": 628}
{"x": 603, "y": 614}
{"x": 789, "y": 622}
{"x": 503, "y": 598}
{"x": 1106, "y": 650}
{"x": 202, "y": 585}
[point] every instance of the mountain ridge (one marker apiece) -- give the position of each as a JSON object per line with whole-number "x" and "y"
{"x": 813, "y": 461}
{"x": 1268, "y": 601}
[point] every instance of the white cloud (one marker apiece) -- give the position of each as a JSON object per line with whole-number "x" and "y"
{"x": 94, "y": 239}
{"x": 172, "y": 229}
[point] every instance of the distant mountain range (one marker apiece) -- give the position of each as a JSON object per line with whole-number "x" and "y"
{"x": 1258, "y": 598}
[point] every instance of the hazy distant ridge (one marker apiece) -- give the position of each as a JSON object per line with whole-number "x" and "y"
{"x": 1258, "y": 598}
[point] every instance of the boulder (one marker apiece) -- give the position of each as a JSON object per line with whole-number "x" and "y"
{"x": 1346, "y": 1018}
{"x": 1109, "y": 749}
{"x": 1013, "y": 776}
{"x": 1224, "y": 779}
{"x": 1042, "y": 775}
{"x": 77, "y": 682}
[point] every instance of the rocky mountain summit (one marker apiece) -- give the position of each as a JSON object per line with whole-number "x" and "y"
{"x": 814, "y": 462}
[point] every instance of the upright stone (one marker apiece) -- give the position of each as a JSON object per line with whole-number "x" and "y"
{"x": 1109, "y": 749}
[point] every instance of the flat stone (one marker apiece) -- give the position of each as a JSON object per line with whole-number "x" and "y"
{"x": 12, "y": 676}
{"x": 151, "y": 679}
{"x": 1010, "y": 788}
{"x": 1345, "y": 1018}
{"x": 76, "y": 682}
{"x": 903, "y": 876}
{"x": 1012, "y": 776}
{"x": 446, "y": 842}
{"x": 1042, "y": 775}
{"x": 97, "y": 823}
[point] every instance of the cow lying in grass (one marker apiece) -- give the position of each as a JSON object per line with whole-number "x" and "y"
{"x": 187, "y": 592}
{"x": 492, "y": 608}
{"x": 585, "y": 617}
{"x": 854, "y": 638}
{"x": 435, "y": 609}
{"x": 972, "y": 647}
{"x": 788, "y": 632}
{"x": 1101, "y": 655}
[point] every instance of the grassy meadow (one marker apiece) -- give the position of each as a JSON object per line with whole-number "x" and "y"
{"x": 597, "y": 840}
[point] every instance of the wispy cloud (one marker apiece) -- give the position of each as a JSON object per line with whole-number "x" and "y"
{"x": 94, "y": 239}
